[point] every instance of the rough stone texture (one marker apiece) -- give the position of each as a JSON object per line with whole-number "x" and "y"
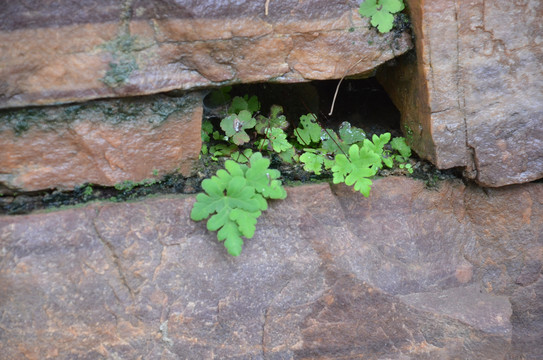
{"x": 472, "y": 97}
{"x": 102, "y": 142}
{"x": 72, "y": 51}
{"x": 408, "y": 273}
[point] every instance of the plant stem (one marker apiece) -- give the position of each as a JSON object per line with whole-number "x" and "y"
{"x": 340, "y": 81}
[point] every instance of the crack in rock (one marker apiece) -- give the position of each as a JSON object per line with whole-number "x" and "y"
{"x": 114, "y": 258}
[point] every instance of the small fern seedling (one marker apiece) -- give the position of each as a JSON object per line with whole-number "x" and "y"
{"x": 363, "y": 165}
{"x": 381, "y": 12}
{"x": 235, "y": 198}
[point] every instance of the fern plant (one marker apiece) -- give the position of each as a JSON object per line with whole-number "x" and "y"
{"x": 235, "y": 198}
{"x": 351, "y": 157}
{"x": 314, "y": 159}
{"x": 381, "y": 12}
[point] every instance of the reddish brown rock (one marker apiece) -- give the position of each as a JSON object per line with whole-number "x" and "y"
{"x": 76, "y": 51}
{"x": 472, "y": 97}
{"x": 102, "y": 142}
{"x": 328, "y": 274}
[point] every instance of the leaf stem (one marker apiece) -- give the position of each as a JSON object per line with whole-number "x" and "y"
{"x": 340, "y": 81}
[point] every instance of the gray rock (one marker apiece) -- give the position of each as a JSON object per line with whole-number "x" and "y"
{"x": 73, "y": 51}
{"x": 472, "y": 95}
{"x": 328, "y": 274}
{"x": 102, "y": 142}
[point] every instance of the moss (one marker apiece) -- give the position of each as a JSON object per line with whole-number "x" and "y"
{"x": 125, "y": 43}
{"x": 155, "y": 109}
{"x": 119, "y": 72}
{"x": 408, "y": 133}
{"x": 20, "y": 120}
{"x": 122, "y": 49}
{"x": 165, "y": 106}
{"x": 402, "y": 23}
{"x": 122, "y": 110}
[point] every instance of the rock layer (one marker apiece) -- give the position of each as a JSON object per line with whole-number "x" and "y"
{"x": 472, "y": 97}
{"x": 102, "y": 142}
{"x": 407, "y": 273}
{"x": 78, "y": 51}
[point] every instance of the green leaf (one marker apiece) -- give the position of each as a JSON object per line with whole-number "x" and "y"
{"x": 216, "y": 135}
{"x": 309, "y": 130}
{"x": 234, "y": 126}
{"x": 279, "y": 140}
{"x": 381, "y": 12}
{"x": 330, "y": 142}
{"x": 242, "y": 157}
{"x": 378, "y": 143}
{"x": 328, "y": 162}
{"x": 388, "y": 161}
{"x": 262, "y": 124}
{"x": 401, "y": 146}
{"x": 232, "y": 201}
{"x": 288, "y": 155}
{"x": 207, "y": 129}
{"x": 368, "y": 8}
{"x": 312, "y": 162}
{"x": 264, "y": 179}
{"x": 276, "y": 120}
{"x": 408, "y": 167}
{"x": 363, "y": 164}
{"x": 244, "y": 103}
{"x": 253, "y": 105}
{"x": 246, "y": 221}
{"x": 351, "y": 134}
{"x": 238, "y": 104}
{"x": 276, "y": 117}
{"x": 234, "y": 168}
{"x": 383, "y": 21}
{"x": 365, "y": 157}
{"x": 222, "y": 149}
{"x": 341, "y": 169}
{"x": 361, "y": 183}
{"x": 263, "y": 144}
{"x": 392, "y": 6}
{"x": 231, "y": 236}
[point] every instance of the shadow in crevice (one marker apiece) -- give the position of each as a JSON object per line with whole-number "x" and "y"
{"x": 361, "y": 102}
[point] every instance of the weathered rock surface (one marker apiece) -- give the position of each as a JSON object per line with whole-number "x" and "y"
{"x": 73, "y": 51}
{"x": 101, "y": 142}
{"x": 408, "y": 273}
{"x": 473, "y": 96}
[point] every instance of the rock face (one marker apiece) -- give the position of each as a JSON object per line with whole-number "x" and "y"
{"x": 76, "y": 51}
{"x": 408, "y": 273}
{"x": 472, "y": 97}
{"x": 101, "y": 142}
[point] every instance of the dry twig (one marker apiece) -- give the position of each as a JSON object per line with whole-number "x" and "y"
{"x": 337, "y": 88}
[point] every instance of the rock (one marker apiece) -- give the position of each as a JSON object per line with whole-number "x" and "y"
{"x": 472, "y": 97}
{"x": 471, "y": 305}
{"x": 103, "y": 142}
{"x": 79, "y": 51}
{"x": 527, "y": 305}
{"x": 407, "y": 273}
